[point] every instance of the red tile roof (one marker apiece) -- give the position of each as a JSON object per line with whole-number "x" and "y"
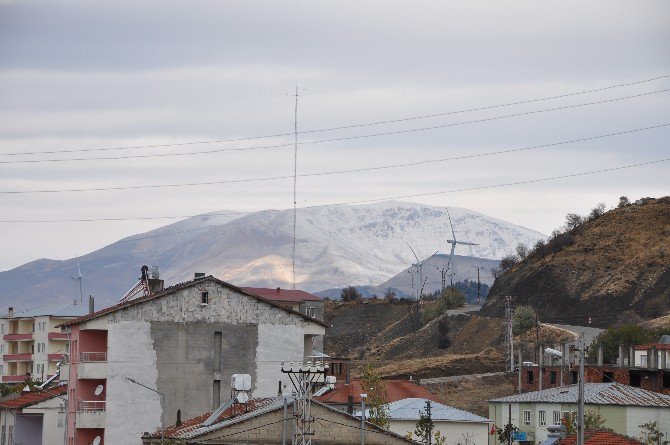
{"x": 33, "y": 397}
{"x": 178, "y": 287}
{"x": 280, "y": 294}
{"x": 659, "y": 346}
{"x": 395, "y": 390}
{"x": 600, "y": 437}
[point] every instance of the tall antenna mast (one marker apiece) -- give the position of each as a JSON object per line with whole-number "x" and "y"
{"x": 295, "y": 177}
{"x": 78, "y": 278}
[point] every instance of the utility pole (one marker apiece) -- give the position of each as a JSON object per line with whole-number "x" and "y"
{"x": 479, "y": 286}
{"x": 303, "y": 375}
{"x": 363, "y": 397}
{"x": 509, "y": 318}
{"x": 443, "y": 273}
{"x": 430, "y": 421}
{"x": 580, "y": 407}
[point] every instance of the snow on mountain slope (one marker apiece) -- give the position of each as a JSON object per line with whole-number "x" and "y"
{"x": 336, "y": 246}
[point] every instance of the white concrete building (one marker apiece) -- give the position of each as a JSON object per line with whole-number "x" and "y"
{"x": 654, "y": 355}
{"x": 454, "y": 424}
{"x": 34, "y": 418}
{"x": 30, "y": 343}
{"x": 184, "y": 342}
{"x": 623, "y": 407}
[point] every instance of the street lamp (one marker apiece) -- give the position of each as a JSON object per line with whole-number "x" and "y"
{"x": 162, "y": 404}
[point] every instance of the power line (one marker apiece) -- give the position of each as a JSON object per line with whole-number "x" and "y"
{"x": 468, "y": 189}
{"x": 344, "y": 127}
{"x": 346, "y": 138}
{"x": 335, "y": 172}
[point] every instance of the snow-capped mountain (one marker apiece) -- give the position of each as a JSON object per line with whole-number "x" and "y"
{"x": 336, "y": 246}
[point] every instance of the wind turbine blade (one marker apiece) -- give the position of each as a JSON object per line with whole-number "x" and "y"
{"x": 468, "y": 243}
{"x": 410, "y": 248}
{"x": 453, "y": 234}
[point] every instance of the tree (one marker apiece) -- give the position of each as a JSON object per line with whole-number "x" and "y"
{"x": 453, "y": 297}
{"x": 598, "y": 211}
{"x": 507, "y": 262}
{"x": 623, "y": 201}
{"x": 524, "y": 319}
{"x": 629, "y": 335}
{"x": 390, "y": 295}
{"x": 350, "y": 293}
{"x": 424, "y": 430}
{"x": 592, "y": 421}
{"x": 521, "y": 250}
{"x": 506, "y": 434}
{"x": 650, "y": 434}
{"x": 573, "y": 220}
{"x": 377, "y": 401}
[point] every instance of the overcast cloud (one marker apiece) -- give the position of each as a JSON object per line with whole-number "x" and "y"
{"x": 76, "y": 75}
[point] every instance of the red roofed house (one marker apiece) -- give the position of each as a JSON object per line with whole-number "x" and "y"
{"x": 36, "y": 417}
{"x": 184, "y": 342}
{"x": 347, "y": 397}
{"x": 600, "y": 437}
{"x": 298, "y": 300}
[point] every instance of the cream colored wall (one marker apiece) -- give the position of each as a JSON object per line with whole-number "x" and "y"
{"x": 52, "y": 434}
{"x": 453, "y": 431}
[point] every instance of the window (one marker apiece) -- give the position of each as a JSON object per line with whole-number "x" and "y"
{"x": 2, "y": 370}
{"x": 2, "y": 349}
{"x": 543, "y": 418}
{"x": 575, "y": 377}
{"x": 643, "y": 360}
{"x": 526, "y": 417}
{"x": 310, "y": 312}
{"x": 552, "y": 377}
{"x": 204, "y": 299}
{"x": 2, "y": 328}
{"x": 557, "y": 417}
{"x": 666, "y": 380}
{"x": 529, "y": 377}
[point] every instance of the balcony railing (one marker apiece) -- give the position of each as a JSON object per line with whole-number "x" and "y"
{"x": 93, "y": 357}
{"x": 56, "y": 336}
{"x": 56, "y": 357}
{"x": 14, "y": 378}
{"x": 17, "y": 357}
{"x": 18, "y": 337}
{"x": 91, "y": 405}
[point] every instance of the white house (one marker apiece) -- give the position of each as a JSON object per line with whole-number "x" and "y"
{"x": 623, "y": 407}
{"x": 35, "y": 418}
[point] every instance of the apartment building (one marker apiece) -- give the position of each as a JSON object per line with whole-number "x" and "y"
{"x": 31, "y": 345}
{"x": 147, "y": 362}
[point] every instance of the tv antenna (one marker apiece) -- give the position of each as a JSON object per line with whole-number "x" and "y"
{"x": 419, "y": 266}
{"x": 295, "y": 180}
{"x": 453, "y": 243}
{"x": 78, "y": 279}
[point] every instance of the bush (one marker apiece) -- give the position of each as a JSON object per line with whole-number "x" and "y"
{"x": 390, "y": 296}
{"x": 453, "y": 297}
{"x": 524, "y": 319}
{"x": 350, "y": 293}
{"x": 521, "y": 251}
{"x": 597, "y": 211}
{"x": 572, "y": 221}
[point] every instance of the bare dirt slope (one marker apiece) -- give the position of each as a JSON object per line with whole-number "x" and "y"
{"x": 617, "y": 262}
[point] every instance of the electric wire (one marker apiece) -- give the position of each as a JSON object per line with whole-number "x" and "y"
{"x": 334, "y": 172}
{"x": 340, "y": 139}
{"x": 466, "y": 189}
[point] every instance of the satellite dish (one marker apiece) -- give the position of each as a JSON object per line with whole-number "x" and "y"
{"x": 98, "y": 390}
{"x": 96, "y": 441}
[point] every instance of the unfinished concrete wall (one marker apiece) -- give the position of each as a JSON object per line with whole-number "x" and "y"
{"x": 276, "y": 343}
{"x": 131, "y": 409}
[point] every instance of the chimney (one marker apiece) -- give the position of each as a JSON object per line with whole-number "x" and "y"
{"x": 10, "y": 312}
{"x": 91, "y": 304}
{"x": 278, "y": 289}
{"x": 199, "y": 275}
{"x": 178, "y": 418}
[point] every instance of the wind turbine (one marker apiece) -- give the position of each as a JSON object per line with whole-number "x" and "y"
{"x": 419, "y": 265}
{"x": 78, "y": 278}
{"x": 453, "y": 243}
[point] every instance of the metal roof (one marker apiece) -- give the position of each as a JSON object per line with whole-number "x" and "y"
{"x": 594, "y": 394}
{"x": 55, "y": 310}
{"x": 279, "y": 294}
{"x": 410, "y": 409}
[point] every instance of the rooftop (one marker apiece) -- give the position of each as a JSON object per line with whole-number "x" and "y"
{"x": 409, "y": 409}
{"x": 395, "y": 390}
{"x": 600, "y": 437}
{"x": 55, "y": 310}
{"x": 594, "y": 394}
{"x": 27, "y": 399}
{"x": 178, "y": 287}
{"x": 279, "y": 294}
{"x": 659, "y": 346}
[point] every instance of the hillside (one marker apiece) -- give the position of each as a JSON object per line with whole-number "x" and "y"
{"x": 617, "y": 262}
{"x": 336, "y": 246}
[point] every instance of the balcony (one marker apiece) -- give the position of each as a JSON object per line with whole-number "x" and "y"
{"x": 92, "y": 365}
{"x": 91, "y": 414}
{"x": 56, "y": 336}
{"x": 18, "y": 337}
{"x": 14, "y": 378}
{"x": 17, "y": 357}
{"x": 56, "y": 357}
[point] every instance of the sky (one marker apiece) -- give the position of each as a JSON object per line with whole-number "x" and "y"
{"x": 143, "y": 85}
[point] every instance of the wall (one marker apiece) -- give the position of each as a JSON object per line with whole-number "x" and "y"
{"x": 131, "y": 409}
{"x": 453, "y": 431}
{"x": 51, "y": 410}
{"x": 636, "y": 416}
{"x": 276, "y": 343}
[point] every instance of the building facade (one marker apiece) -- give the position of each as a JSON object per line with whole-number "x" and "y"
{"x": 147, "y": 362}
{"x": 31, "y": 345}
{"x": 34, "y": 418}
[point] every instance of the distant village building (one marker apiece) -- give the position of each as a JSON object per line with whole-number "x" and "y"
{"x": 456, "y": 425}
{"x": 599, "y": 437}
{"x": 624, "y": 409}
{"x": 184, "y": 342}
{"x": 34, "y": 418}
{"x": 31, "y": 345}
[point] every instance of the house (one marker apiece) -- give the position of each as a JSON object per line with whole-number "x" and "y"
{"x": 623, "y": 407}
{"x": 347, "y": 396}
{"x": 31, "y": 344}
{"x": 454, "y": 424}
{"x": 298, "y": 300}
{"x": 146, "y": 362}
{"x": 34, "y": 417}
{"x": 269, "y": 421}
{"x": 654, "y": 355}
